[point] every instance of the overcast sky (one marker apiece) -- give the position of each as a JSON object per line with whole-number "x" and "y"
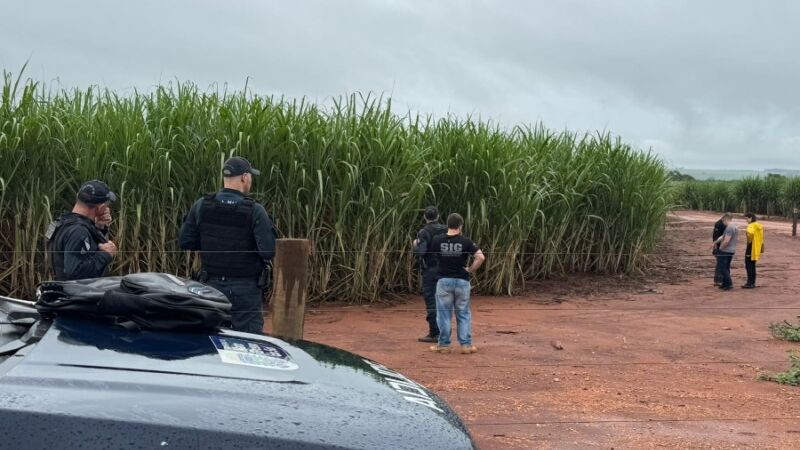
{"x": 706, "y": 84}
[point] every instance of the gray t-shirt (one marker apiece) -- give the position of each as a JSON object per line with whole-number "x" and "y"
{"x": 733, "y": 233}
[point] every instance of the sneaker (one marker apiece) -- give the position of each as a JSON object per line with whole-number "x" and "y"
{"x": 726, "y": 288}
{"x": 749, "y": 286}
{"x": 467, "y": 349}
{"x": 428, "y": 338}
{"x": 439, "y": 349}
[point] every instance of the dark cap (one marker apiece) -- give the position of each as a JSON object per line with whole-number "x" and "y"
{"x": 431, "y": 213}
{"x": 96, "y": 192}
{"x": 238, "y": 166}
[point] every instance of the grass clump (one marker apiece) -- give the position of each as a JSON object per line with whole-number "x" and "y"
{"x": 785, "y": 331}
{"x": 791, "y": 377}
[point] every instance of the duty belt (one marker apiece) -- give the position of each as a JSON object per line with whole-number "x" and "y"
{"x": 229, "y": 278}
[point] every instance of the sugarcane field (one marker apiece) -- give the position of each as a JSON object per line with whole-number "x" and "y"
{"x": 399, "y": 225}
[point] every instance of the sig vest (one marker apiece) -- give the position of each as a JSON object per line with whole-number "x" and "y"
{"x": 227, "y": 242}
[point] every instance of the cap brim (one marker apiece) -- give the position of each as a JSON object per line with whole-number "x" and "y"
{"x": 255, "y": 171}
{"x": 112, "y": 197}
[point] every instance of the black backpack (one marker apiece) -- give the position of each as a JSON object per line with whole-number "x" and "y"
{"x": 430, "y": 231}
{"x": 154, "y": 301}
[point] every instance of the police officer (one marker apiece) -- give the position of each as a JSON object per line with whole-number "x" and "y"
{"x": 423, "y": 248}
{"x": 236, "y": 241}
{"x": 77, "y": 242}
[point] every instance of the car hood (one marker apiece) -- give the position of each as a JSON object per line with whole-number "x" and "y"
{"x": 251, "y": 389}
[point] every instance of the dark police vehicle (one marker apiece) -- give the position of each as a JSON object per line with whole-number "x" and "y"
{"x": 72, "y": 382}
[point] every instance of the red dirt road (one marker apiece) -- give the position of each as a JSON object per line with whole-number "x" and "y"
{"x": 660, "y": 361}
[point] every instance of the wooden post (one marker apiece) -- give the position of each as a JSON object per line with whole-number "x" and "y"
{"x": 794, "y": 222}
{"x": 290, "y": 287}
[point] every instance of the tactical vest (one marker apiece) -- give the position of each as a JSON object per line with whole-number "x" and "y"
{"x": 54, "y": 231}
{"x": 228, "y": 245}
{"x": 431, "y": 230}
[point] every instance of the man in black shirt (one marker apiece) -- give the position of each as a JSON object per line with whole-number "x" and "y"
{"x": 453, "y": 252}
{"x": 719, "y": 230}
{"x": 423, "y": 249}
{"x": 77, "y": 243}
{"x": 236, "y": 240}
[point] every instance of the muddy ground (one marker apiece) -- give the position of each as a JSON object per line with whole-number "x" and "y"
{"x": 663, "y": 360}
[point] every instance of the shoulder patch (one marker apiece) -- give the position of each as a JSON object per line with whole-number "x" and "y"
{"x": 51, "y": 230}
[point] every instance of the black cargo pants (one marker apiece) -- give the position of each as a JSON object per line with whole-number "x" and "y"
{"x": 429, "y": 294}
{"x": 750, "y": 265}
{"x": 246, "y": 299}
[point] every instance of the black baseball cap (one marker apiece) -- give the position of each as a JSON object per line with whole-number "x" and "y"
{"x": 96, "y": 192}
{"x": 238, "y": 166}
{"x": 431, "y": 213}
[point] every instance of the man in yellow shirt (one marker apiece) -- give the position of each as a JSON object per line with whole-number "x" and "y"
{"x": 755, "y": 247}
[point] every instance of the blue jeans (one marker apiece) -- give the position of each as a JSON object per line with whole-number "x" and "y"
{"x": 246, "y": 303}
{"x": 453, "y": 294}
{"x": 717, "y": 271}
{"x": 724, "y": 267}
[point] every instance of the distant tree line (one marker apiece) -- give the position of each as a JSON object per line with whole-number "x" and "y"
{"x": 773, "y": 195}
{"x": 674, "y": 175}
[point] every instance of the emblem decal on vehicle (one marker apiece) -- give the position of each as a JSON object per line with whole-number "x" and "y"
{"x": 245, "y": 352}
{"x": 412, "y": 392}
{"x": 200, "y": 290}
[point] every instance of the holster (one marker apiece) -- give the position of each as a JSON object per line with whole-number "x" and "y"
{"x": 265, "y": 279}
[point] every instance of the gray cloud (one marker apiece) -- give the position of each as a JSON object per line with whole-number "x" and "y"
{"x": 708, "y": 84}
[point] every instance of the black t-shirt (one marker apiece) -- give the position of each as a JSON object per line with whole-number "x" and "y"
{"x": 719, "y": 230}
{"x": 452, "y": 254}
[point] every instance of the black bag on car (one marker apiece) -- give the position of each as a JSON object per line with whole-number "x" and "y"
{"x": 154, "y": 301}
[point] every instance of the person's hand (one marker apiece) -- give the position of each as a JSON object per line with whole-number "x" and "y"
{"x": 109, "y": 247}
{"x": 466, "y": 269}
{"x": 104, "y": 219}
{"x": 414, "y": 242}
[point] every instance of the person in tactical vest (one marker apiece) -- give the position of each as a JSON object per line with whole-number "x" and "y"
{"x": 77, "y": 242}
{"x": 236, "y": 240}
{"x": 423, "y": 249}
